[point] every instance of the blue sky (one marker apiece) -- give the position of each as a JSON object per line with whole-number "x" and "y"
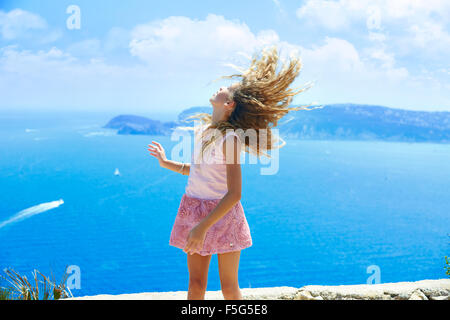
{"x": 150, "y": 57}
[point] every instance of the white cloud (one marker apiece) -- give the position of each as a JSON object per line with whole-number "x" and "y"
{"x": 21, "y": 24}
{"x": 17, "y": 22}
{"x": 414, "y": 24}
{"x": 54, "y": 78}
{"x": 182, "y": 43}
{"x": 330, "y": 14}
{"x": 339, "y": 53}
{"x": 177, "y": 56}
{"x": 342, "y": 13}
{"x": 26, "y": 62}
{"x": 86, "y": 48}
{"x": 430, "y": 35}
{"x": 377, "y": 36}
{"x": 338, "y": 61}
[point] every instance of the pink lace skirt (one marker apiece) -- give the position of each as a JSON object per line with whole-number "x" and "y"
{"x": 230, "y": 233}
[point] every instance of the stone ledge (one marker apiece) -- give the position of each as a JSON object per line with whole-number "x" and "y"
{"x": 420, "y": 290}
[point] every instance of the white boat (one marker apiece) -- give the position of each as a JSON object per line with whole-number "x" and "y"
{"x": 117, "y": 172}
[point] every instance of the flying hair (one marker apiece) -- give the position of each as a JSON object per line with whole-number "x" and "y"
{"x": 262, "y": 98}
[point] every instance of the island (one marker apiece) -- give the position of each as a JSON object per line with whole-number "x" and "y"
{"x": 331, "y": 122}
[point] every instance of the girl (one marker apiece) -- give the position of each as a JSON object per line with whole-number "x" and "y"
{"x": 210, "y": 216}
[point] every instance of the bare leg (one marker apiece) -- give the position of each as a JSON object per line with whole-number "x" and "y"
{"x": 228, "y": 272}
{"x": 198, "y": 275}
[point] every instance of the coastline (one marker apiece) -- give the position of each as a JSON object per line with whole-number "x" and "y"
{"x": 419, "y": 290}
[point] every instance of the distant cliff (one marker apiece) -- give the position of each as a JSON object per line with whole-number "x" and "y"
{"x": 130, "y": 124}
{"x": 335, "y": 121}
{"x": 366, "y": 122}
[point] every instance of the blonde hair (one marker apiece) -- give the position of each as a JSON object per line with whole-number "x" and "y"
{"x": 262, "y": 98}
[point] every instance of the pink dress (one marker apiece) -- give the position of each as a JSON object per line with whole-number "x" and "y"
{"x": 206, "y": 186}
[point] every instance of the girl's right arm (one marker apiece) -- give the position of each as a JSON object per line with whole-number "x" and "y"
{"x": 158, "y": 152}
{"x": 177, "y": 167}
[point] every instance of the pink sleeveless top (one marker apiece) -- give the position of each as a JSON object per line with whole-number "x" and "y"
{"x": 208, "y": 176}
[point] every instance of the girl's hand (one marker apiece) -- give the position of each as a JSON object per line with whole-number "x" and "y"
{"x": 195, "y": 239}
{"x": 158, "y": 152}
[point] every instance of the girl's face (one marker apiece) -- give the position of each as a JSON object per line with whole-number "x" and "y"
{"x": 222, "y": 98}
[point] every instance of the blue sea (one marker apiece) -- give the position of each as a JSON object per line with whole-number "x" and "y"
{"x": 333, "y": 209}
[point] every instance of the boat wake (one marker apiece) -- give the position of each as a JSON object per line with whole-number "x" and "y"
{"x": 29, "y": 212}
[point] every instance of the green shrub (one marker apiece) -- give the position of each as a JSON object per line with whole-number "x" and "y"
{"x": 447, "y": 267}
{"x": 40, "y": 288}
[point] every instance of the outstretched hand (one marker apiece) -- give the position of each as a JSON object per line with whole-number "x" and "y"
{"x": 158, "y": 152}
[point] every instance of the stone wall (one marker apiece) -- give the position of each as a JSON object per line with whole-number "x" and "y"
{"x": 420, "y": 290}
